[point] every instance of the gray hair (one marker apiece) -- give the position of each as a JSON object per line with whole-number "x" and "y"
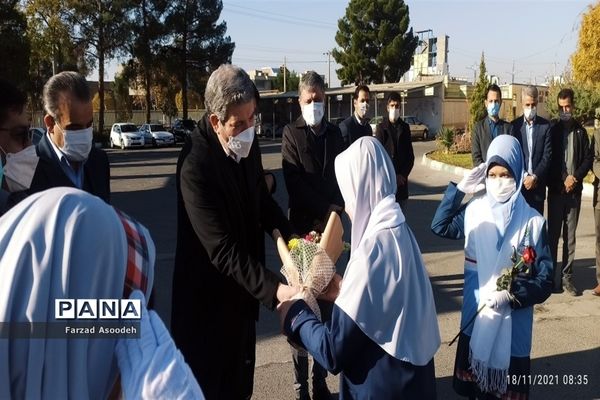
{"x": 311, "y": 80}
{"x": 228, "y": 85}
{"x": 67, "y": 81}
{"x": 530, "y": 90}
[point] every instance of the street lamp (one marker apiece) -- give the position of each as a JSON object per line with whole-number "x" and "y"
{"x": 328, "y": 54}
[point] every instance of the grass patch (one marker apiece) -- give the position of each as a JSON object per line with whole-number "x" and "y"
{"x": 463, "y": 160}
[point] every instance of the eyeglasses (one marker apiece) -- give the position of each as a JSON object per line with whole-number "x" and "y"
{"x": 22, "y": 133}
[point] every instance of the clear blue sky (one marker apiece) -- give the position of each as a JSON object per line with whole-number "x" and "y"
{"x": 538, "y": 35}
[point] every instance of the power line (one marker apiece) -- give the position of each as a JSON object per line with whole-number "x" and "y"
{"x": 292, "y": 17}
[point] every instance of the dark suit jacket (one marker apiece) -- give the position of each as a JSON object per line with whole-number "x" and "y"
{"x": 583, "y": 157}
{"x": 49, "y": 174}
{"x": 220, "y": 276}
{"x": 398, "y": 143}
{"x": 482, "y": 137}
{"x": 352, "y": 130}
{"x": 542, "y": 152}
{"x": 311, "y": 183}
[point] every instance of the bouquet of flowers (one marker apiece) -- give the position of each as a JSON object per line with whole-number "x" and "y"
{"x": 309, "y": 262}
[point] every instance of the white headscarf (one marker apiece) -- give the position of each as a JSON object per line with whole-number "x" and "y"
{"x": 386, "y": 290}
{"x": 61, "y": 243}
{"x": 492, "y": 229}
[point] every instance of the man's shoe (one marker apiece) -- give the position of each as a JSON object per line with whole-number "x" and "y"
{"x": 596, "y": 291}
{"x": 321, "y": 392}
{"x": 302, "y": 395}
{"x": 557, "y": 290}
{"x": 570, "y": 288}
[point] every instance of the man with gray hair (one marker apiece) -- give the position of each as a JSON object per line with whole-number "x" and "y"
{"x": 66, "y": 155}
{"x": 533, "y": 133}
{"x": 309, "y": 147}
{"x": 223, "y": 210}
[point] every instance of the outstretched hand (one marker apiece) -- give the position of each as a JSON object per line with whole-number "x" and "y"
{"x": 332, "y": 291}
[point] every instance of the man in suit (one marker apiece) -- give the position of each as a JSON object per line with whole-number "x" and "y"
{"x": 489, "y": 127}
{"x": 533, "y": 133}
{"x": 572, "y": 158}
{"x": 18, "y": 156}
{"x": 357, "y": 125}
{"x": 66, "y": 155}
{"x": 394, "y": 134}
{"x": 223, "y": 211}
{"x": 309, "y": 147}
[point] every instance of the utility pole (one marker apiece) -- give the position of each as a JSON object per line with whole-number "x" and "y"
{"x": 284, "y": 74}
{"x": 474, "y": 68}
{"x": 328, "y": 54}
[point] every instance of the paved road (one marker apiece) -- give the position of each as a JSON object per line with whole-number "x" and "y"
{"x": 566, "y": 330}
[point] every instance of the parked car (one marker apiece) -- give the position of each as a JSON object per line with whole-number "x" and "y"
{"x": 125, "y": 135}
{"x": 266, "y": 130}
{"x": 157, "y": 134}
{"x": 36, "y": 134}
{"x": 418, "y": 130}
{"x": 182, "y": 128}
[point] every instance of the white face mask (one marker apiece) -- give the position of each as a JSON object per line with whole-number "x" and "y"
{"x": 20, "y": 168}
{"x": 77, "y": 144}
{"x": 313, "y": 113}
{"x": 529, "y": 113}
{"x": 362, "y": 109}
{"x": 242, "y": 143}
{"x": 500, "y": 188}
{"x": 393, "y": 114}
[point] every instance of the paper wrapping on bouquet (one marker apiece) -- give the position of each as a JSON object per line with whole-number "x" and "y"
{"x": 310, "y": 265}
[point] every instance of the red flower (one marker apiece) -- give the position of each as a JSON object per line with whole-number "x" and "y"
{"x": 529, "y": 255}
{"x": 308, "y": 237}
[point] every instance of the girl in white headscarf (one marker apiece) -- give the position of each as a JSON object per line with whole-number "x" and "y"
{"x": 67, "y": 244}
{"x": 383, "y": 333}
{"x": 492, "y": 358}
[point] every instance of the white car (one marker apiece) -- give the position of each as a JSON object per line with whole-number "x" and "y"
{"x": 125, "y": 135}
{"x": 157, "y": 135}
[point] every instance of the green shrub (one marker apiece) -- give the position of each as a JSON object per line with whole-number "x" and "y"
{"x": 445, "y": 139}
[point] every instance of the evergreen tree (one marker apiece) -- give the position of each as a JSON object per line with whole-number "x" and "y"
{"x": 375, "y": 40}
{"x": 148, "y": 28}
{"x": 52, "y": 49}
{"x": 99, "y": 29}
{"x": 477, "y": 109}
{"x": 14, "y": 44}
{"x": 198, "y": 45}
{"x": 292, "y": 80}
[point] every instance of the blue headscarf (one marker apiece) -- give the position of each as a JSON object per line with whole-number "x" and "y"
{"x": 505, "y": 150}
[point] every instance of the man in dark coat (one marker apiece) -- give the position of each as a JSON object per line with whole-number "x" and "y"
{"x": 489, "y": 127}
{"x": 66, "y": 154}
{"x": 309, "y": 147}
{"x": 572, "y": 158}
{"x": 533, "y": 133}
{"x": 357, "y": 125}
{"x": 223, "y": 210}
{"x": 394, "y": 134}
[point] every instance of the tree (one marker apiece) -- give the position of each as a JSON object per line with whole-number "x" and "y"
{"x": 147, "y": 23}
{"x": 376, "y": 44}
{"x": 194, "y": 100}
{"x": 52, "y": 49}
{"x": 477, "y": 109}
{"x": 99, "y": 28}
{"x": 587, "y": 98}
{"x": 123, "y": 102}
{"x": 14, "y": 44}
{"x": 292, "y": 80}
{"x": 198, "y": 43}
{"x": 586, "y": 59}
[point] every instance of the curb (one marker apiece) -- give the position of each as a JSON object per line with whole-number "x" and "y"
{"x": 588, "y": 188}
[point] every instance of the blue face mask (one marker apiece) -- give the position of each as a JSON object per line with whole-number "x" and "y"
{"x": 493, "y": 109}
